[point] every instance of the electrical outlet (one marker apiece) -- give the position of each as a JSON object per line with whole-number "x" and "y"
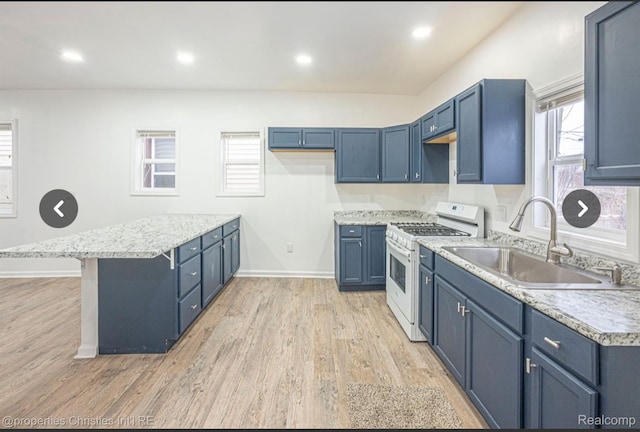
{"x": 501, "y": 213}
{"x": 289, "y": 247}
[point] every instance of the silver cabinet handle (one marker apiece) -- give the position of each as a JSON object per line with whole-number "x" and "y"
{"x": 528, "y": 365}
{"x": 423, "y": 256}
{"x": 377, "y": 176}
{"x": 303, "y": 142}
{"x": 360, "y": 243}
{"x": 459, "y": 307}
{"x": 406, "y": 176}
{"x": 464, "y": 310}
{"x": 215, "y": 236}
{"x": 235, "y": 226}
{"x": 193, "y": 273}
{"x": 417, "y": 175}
{"x": 555, "y": 344}
{"x": 194, "y": 306}
{"x": 193, "y": 248}
{"x": 352, "y": 231}
{"x": 427, "y": 280}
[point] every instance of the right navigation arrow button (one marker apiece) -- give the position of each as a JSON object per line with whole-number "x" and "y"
{"x": 584, "y": 208}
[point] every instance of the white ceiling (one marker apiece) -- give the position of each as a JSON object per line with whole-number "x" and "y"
{"x": 363, "y": 47}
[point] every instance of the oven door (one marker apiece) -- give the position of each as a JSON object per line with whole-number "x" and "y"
{"x": 399, "y": 279}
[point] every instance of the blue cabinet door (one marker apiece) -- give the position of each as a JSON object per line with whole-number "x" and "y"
{"x": 428, "y": 125}
{"x": 376, "y": 254}
{"x": 417, "y": 152}
{"x": 469, "y": 141}
{"x": 425, "y": 296}
{"x": 227, "y": 252}
{"x": 450, "y": 328}
{"x": 235, "y": 252}
{"x": 212, "y": 281}
{"x": 611, "y": 95}
{"x": 358, "y": 156}
{"x": 351, "y": 260}
{"x": 395, "y": 154}
{"x": 318, "y": 138}
{"x": 445, "y": 118}
{"x": 285, "y": 138}
{"x": 494, "y": 355}
{"x": 558, "y": 398}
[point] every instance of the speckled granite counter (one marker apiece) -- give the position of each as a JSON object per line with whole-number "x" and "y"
{"x": 608, "y": 317}
{"x": 380, "y": 217}
{"x": 142, "y": 238}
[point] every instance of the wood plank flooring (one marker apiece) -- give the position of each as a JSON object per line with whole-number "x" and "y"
{"x": 267, "y": 353}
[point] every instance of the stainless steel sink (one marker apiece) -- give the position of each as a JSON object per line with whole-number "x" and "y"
{"x": 530, "y": 271}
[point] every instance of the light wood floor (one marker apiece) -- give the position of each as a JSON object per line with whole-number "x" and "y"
{"x": 268, "y": 353}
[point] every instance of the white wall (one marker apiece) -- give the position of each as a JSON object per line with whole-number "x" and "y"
{"x": 543, "y": 42}
{"x": 81, "y": 141}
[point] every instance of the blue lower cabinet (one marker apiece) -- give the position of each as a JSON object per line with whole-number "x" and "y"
{"x": 450, "y": 329}
{"x": 559, "y": 400}
{"x": 425, "y": 295}
{"x": 360, "y": 257}
{"x": 212, "y": 281}
{"x": 494, "y": 358}
{"x": 144, "y": 305}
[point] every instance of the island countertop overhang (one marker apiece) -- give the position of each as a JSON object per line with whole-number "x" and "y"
{"x": 142, "y": 238}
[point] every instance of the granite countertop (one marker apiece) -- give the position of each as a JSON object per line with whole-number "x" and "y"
{"x": 142, "y": 238}
{"x": 380, "y": 217}
{"x": 609, "y": 317}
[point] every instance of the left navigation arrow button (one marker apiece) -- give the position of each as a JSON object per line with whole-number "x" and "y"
{"x": 58, "y": 208}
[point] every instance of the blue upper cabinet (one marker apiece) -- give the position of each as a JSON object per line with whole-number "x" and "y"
{"x": 439, "y": 122}
{"x": 490, "y": 125}
{"x": 429, "y": 162}
{"x": 395, "y": 154}
{"x": 301, "y": 139}
{"x": 358, "y": 155}
{"x": 612, "y": 95}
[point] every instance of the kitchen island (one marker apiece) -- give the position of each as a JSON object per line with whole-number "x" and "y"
{"x": 144, "y": 282}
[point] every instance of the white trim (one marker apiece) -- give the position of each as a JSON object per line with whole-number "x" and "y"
{"x": 14, "y": 170}
{"x": 39, "y": 274}
{"x": 565, "y": 85}
{"x": 285, "y": 274}
{"x": 88, "y": 309}
{"x": 136, "y": 158}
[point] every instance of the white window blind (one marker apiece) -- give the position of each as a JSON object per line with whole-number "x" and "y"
{"x": 242, "y": 163}
{"x": 6, "y": 145}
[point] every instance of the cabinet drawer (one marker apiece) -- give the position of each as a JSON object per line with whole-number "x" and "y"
{"x": 189, "y": 275}
{"x": 189, "y": 308}
{"x": 188, "y": 250}
{"x": 351, "y": 231}
{"x": 566, "y": 346}
{"x": 426, "y": 257}
{"x": 211, "y": 238}
{"x": 230, "y": 227}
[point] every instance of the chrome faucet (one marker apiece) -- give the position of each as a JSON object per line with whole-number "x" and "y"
{"x": 554, "y": 252}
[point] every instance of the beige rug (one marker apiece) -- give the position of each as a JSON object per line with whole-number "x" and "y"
{"x": 373, "y": 406}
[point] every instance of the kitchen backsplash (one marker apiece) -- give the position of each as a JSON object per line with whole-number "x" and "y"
{"x": 630, "y": 273}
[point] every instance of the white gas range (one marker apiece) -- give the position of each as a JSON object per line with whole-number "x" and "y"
{"x": 453, "y": 219}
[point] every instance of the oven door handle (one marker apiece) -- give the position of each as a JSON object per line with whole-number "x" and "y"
{"x": 404, "y": 253}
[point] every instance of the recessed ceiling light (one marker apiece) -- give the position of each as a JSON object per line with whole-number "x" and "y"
{"x": 185, "y": 58}
{"x": 303, "y": 59}
{"x": 421, "y": 32}
{"x": 72, "y": 56}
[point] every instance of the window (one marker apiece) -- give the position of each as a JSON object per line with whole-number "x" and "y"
{"x": 242, "y": 164}
{"x": 558, "y": 170}
{"x": 155, "y": 163}
{"x": 8, "y": 173}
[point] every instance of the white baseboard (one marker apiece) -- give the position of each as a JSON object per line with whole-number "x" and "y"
{"x": 284, "y": 274}
{"x": 39, "y": 274}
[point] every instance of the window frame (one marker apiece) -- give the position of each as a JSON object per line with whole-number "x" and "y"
{"x": 595, "y": 240}
{"x": 137, "y": 165}
{"x": 13, "y": 212}
{"x": 222, "y": 191}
